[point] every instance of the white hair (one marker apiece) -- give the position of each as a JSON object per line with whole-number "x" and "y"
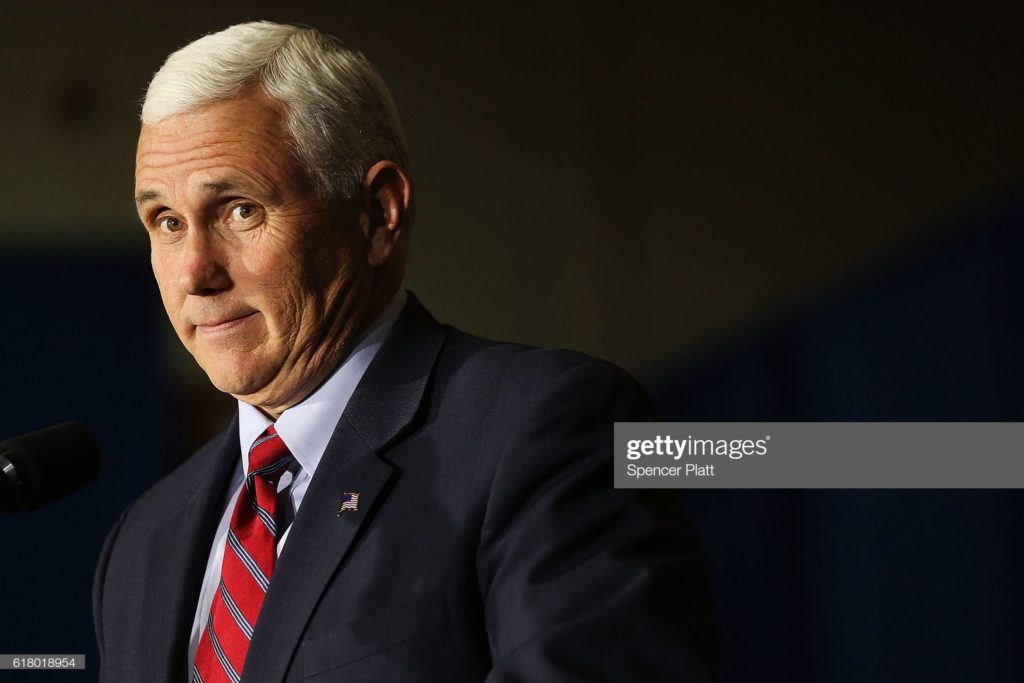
{"x": 340, "y": 115}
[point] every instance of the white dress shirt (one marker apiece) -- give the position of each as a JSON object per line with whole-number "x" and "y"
{"x": 305, "y": 429}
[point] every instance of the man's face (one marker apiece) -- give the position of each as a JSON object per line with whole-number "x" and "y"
{"x": 262, "y": 279}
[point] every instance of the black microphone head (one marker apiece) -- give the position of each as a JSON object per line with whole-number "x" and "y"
{"x": 42, "y": 466}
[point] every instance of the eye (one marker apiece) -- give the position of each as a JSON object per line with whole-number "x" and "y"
{"x": 244, "y": 212}
{"x": 168, "y": 224}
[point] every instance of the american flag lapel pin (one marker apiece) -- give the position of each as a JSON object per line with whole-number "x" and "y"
{"x": 349, "y": 501}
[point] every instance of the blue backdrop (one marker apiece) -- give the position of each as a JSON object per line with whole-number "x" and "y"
{"x": 845, "y": 586}
{"x": 79, "y": 342}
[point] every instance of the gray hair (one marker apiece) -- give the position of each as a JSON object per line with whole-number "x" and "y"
{"x": 340, "y": 115}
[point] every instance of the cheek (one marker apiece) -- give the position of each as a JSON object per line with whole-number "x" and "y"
{"x": 163, "y": 273}
{"x": 339, "y": 265}
{"x": 275, "y": 286}
{"x": 159, "y": 260}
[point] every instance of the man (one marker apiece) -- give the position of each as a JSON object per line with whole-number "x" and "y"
{"x": 395, "y": 500}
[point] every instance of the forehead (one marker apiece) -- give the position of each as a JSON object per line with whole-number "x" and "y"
{"x": 240, "y": 139}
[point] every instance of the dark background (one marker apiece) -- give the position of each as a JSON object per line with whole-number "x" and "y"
{"x": 767, "y": 212}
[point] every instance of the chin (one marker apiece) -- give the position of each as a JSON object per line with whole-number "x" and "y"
{"x": 237, "y": 379}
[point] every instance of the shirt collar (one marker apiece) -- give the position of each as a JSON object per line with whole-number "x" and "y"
{"x": 307, "y": 427}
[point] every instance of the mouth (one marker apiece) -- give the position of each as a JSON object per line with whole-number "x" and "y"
{"x": 224, "y": 324}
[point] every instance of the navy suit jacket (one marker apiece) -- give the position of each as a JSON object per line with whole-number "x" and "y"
{"x": 489, "y": 543}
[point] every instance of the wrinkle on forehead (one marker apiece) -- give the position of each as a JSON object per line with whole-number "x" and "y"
{"x": 208, "y": 187}
{"x": 230, "y": 142}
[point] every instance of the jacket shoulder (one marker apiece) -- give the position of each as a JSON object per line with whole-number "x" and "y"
{"x": 182, "y": 482}
{"x": 529, "y": 371}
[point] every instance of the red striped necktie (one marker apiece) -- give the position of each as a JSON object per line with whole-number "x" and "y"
{"x": 249, "y": 557}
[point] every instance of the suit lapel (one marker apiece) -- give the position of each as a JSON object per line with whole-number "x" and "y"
{"x": 177, "y": 556}
{"x": 382, "y": 407}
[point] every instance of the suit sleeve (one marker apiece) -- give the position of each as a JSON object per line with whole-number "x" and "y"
{"x": 581, "y": 581}
{"x": 98, "y": 587}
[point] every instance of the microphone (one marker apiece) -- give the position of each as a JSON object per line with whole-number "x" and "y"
{"x": 41, "y": 466}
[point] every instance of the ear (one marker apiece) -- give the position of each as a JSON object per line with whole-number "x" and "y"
{"x": 387, "y": 192}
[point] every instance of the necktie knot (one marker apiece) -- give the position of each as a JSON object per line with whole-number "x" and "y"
{"x": 268, "y": 455}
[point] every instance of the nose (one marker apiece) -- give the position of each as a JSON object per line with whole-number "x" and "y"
{"x": 203, "y": 265}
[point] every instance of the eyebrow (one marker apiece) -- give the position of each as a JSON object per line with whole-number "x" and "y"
{"x": 211, "y": 186}
{"x": 219, "y": 186}
{"x": 147, "y": 196}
